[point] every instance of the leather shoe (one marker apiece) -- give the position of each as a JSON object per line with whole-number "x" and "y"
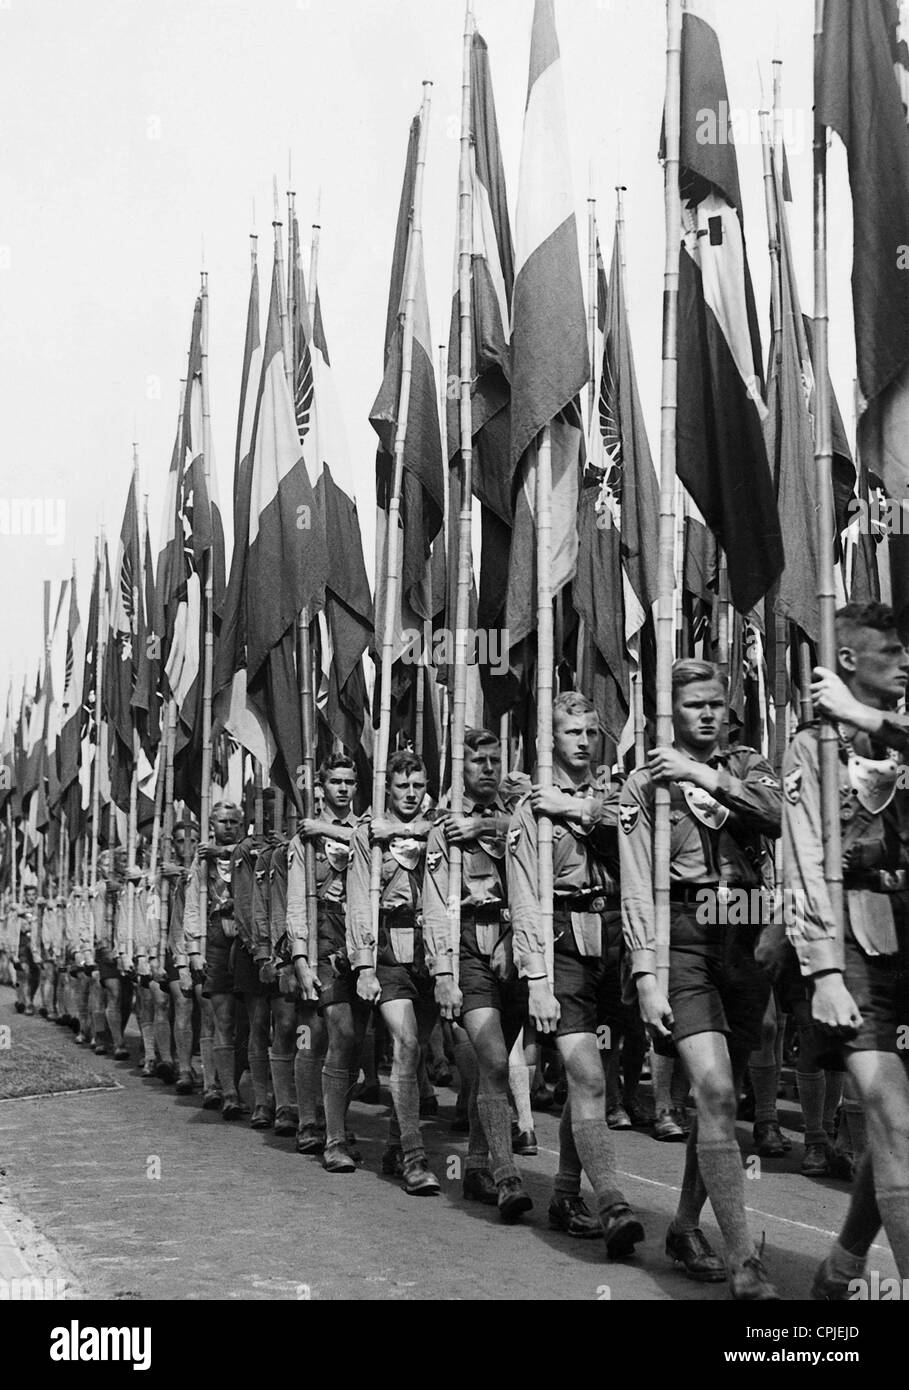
{"x": 231, "y": 1109}
{"x": 263, "y": 1117}
{"x": 310, "y": 1139}
{"x": 121, "y": 1054}
{"x": 569, "y": 1214}
{"x": 478, "y": 1186}
{"x": 828, "y": 1286}
{"x": 166, "y": 1072}
{"x": 148, "y": 1069}
{"x": 20, "y": 1007}
{"x": 768, "y": 1139}
{"x": 524, "y": 1143}
{"x": 513, "y": 1201}
{"x": 840, "y": 1164}
{"x": 618, "y": 1118}
{"x": 286, "y": 1121}
{"x": 751, "y": 1283}
{"x": 692, "y": 1249}
{"x": 212, "y": 1099}
{"x": 336, "y": 1159}
{"x": 393, "y": 1161}
{"x": 667, "y": 1129}
{"x": 185, "y": 1084}
{"x": 815, "y": 1161}
{"x": 621, "y": 1229}
{"x": 419, "y": 1180}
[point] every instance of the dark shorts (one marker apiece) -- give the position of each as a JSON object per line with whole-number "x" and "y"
{"x": 880, "y": 987}
{"x": 715, "y": 984}
{"x": 589, "y": 988}
{"x": 338, "y": 982}
{"x": 219, "y": 977}
{"x": 404, "y": 980}
{"x": 482, "y": 988}
{"x": 245, "y": 973}
{"x": 170, "y": 970}
{"x": 106, "y": 964}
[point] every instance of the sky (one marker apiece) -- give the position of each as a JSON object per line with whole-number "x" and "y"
{"x": 139, "y": 142}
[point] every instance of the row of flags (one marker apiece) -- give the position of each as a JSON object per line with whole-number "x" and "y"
{"x": 746, "y": 559}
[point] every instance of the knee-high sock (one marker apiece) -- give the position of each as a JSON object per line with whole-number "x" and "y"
{"x": 495, "y": 1115}
{"x": 694, "y": 1193}
{"x": 720, "y": 1163}
{"x": 147, "y": 1029}
{"x": 225, "y": 1062}
{"x": 863, "y": 1219}
{"x": 593, "y": 1141}
{"x": 114, "y": 1023}
{"x": 519, "y": 1079}
{"x": 833, "y": 1095}
{"x": 812, "y": 1098}
{"x": 765, "y": 1082}
{"x": 282, "y": 1077}
{"x": 852, "y": 1126}
{"x": 405, "y": 1095}
{"x": 477, "y": 1143}
{"x": 258, "y": 1070}
{"x": 427, "y": 1090}
{"x": 335, "y": 1093}
{"x": 163, "y": 1037}
{"x": 210, "y": 1078}
{"x": 183, "y": 1039}
{"x": 568, "y": 1178}
{"x": 893, "y": 1203}
{"x": 465, "y": 1060}
{"x": 308, "y": 1082}
{"x": 612, "y": 1066}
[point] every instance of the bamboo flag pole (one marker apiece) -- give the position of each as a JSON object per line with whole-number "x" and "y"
{"x": 545, "y": 663}
{"x": 99, "y": 677}
{"x": 393, "y": 562}
{"x": 208, "y": 617}
{"x": 131, "y": 827}
{"x": 446, "y": 523}
{"x": 828, "y": 749}
{"x": 305, "y": 665}
{"x": 11, "y": 833}
{"x": 666, "y": 609}
{"x": 465, "y": 482}
{"x": 41, "y": 841}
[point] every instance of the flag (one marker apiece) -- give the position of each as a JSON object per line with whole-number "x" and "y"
{"x": 549, "y": 356}
{"x": 721, "y": 456}
{"x": 286, "y": 563}
{"x": 71, "y": 702}
{"x": 8, "y": 753}
{"x": 861, "y": 80}
{"x": 618, "y": 520}
{"x": 422, "y": 493}
{"x": 234, "y": 709}
{"x": 126, "y": 635}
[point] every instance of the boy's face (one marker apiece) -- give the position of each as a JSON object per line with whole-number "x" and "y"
{"x": 405, "y": 794}
{"x": 698, "y": 711}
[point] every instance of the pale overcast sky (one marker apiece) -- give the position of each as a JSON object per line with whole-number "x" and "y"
{"x": 131, "y": 134}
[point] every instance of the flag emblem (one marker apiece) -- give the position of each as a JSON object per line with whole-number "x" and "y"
{"x": 628, "y": 818}
{"x": 792, "y": 786}
{"x": 513, "y": 838}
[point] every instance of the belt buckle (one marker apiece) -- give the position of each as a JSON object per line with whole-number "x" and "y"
{"x": 892, "y": 880}
{"x": 723, "y": 894}
{"x": 597, "y": 904}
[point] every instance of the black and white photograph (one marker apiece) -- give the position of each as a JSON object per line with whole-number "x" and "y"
{"x": 454, "y": 647}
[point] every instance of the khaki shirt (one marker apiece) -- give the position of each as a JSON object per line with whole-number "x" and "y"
{"x": 748, "y": 788}
{"x": 882, "y": 839}
{"x": 483, "y": 881}
{"x": 579, "y": 861}
{"x": 332, "y": 860}
{"x": 402, "y": 875}
{"x": 195, "y": 931}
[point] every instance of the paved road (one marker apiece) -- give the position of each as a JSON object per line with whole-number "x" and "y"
{"x": 145, "y": 1195}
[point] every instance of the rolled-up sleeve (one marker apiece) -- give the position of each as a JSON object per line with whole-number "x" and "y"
{"x": 191, "y": 941}
{"x": 297, "y": 919}
{"x": 437, "y": 938}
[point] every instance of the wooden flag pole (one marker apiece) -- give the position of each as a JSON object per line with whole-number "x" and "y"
{"x": 545, "y": 663}
{"x": 287, "y": 348}
{"x": 465, "y": 487}
{"x": 666, "y": 609}
{"x": 11, "y": 833}
{"x": 393, "y": 561}
{"x": 828, "y": 746}
{"x": 446, "y": 537}
{"x": 591, "y": 298}
{"x": 208, "y": 618}
{"x": 99, "y": 677}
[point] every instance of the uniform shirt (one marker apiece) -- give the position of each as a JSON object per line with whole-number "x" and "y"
{"x": 482, "y": 882}
{"x": 269, "y": 900}
{"x": 195, "y": 932}
{"x": 242, "y": 882}
{"x": 747, "y": 788}
{"x": 176, "y": 904}
{"x": 27, "y": 926}
{"x": 880, "y": 840}
{"x": 332, "y": 858}
{"x": 51, "y": 931}
{"x": 581, "y": 858}
{"x": 102, "y": 904}
{"x": 402, "y": 875}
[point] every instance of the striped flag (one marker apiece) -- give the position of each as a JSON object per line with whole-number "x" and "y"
{"x": 721, "y": 457}
{"x": 549, "y": 355}
{"x": 126, "y": 636}
{"x": 71, "y": 709}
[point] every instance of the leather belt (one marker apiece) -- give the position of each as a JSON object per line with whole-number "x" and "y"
{"x": 690, "y": 893}
{"x": 879, "y": 880}
{"x": 587, "y": 900}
